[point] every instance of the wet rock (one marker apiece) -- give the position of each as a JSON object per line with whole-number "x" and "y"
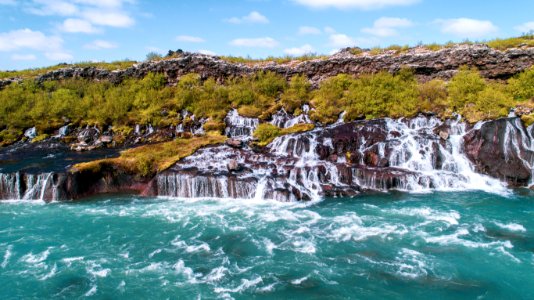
{"x": 444, "y": 135}
{"x": 497, "y": 149}
{"x": 105, "y": 139}
{"x": 234, "y": 166}
{"x": 88, "y": 135}
{"x": 234, "y": 143}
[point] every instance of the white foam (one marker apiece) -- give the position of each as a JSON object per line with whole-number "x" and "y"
{"x": 245, "y": 285}
{"x": 304, "y": 246}
{"x": 450, "y": 217}
{"x": 511, "y": 227}
{"x": 7, "y": 256}
{"x": 50, "y": 274}
{"x": 31, "y": 258}
{"x": 91, "y": 291}
{"x": 269, "y": 245}
{"x": 216, "y": 274}
{"x": 455, "y": 239}
{"x": 298, "y": 281}
{"x": 198, "y": 248}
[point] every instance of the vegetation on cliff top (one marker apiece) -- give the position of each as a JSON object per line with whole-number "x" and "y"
{"x": 151, "y": 101}
{"x": 30, "y": 73}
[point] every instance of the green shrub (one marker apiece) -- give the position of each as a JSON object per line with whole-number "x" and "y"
{"x": 297, "y": 94}
{"x": 521, "y": 86}
{"x": 433, "y": 97}
{"x": 328, "y": 99}
{"x": 464, "y": 88}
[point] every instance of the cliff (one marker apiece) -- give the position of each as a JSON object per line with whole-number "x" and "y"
{"x": 427, "y": 64}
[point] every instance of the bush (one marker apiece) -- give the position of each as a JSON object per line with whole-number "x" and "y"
{"x": 297, "y": 94}
{"x": 433, "y": 97}
{"x": 521, "y": 86}
{"x": 464, "y": 88}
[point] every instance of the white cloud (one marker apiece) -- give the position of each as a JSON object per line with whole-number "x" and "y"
{"x": 28, "y": 39}
{"x": 309, "y": 30}
{"x": 63, "y": 56}
{"x": 358, "y": 4}
{"x": 97, "y": 12}
{"x": 207, "y": 52}
{"x": 104, "y": 3}
{"x": 467, "y": 28}
{"x": 51, "y": 46}
{"x": 264, "y": 42}
{"x": 111, "y": 18}
{"x": 23, "y": 57}
{"x": 252, "y": 17}
{"x": 299, "y": 51}
{"x": 100, "y": 44}
{"x": 190, "y": 39}
{"x": 525, "y": 27}
{"x": 341, "y": 40}
{"x": 384, "y": 26}
{"x": 77, "y": 25}
{"x": 53, "y": 7}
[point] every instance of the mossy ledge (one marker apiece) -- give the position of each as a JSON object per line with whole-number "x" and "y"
{"x": 145, "y": 161}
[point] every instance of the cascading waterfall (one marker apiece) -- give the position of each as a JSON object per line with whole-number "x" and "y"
{"x": 284, "y": 120}
{"x": 17, "y": 186}
{"x": 418, "y": 150}
{"x": 417, "y": 155}
{"x": 412, "y": 157}
{"x": 238, "y": 126}
{"x": 526, "y": 136}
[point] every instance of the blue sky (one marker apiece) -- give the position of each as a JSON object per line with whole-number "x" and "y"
{"x": 36, "y": 33}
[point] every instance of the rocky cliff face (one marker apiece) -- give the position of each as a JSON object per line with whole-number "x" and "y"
{"x": 493, "y": 64}
{"x": 345, "y": 159}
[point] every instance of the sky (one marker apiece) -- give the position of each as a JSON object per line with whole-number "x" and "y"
{"x": 36, "y": 33}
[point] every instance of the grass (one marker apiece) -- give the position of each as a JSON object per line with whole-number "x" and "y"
{"x": 148, "y": 160}
{"x": 267, "y": 132}
{"x": 30, "y": 73}
{"x": 525, "y": 40}
{"x": 278, "y": 60}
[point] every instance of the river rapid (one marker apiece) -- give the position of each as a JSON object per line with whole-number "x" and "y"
{"x": 447, "y": 245}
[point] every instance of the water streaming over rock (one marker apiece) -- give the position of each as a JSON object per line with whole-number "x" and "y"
{"x": 44, "y": 187}
{"x": 417, "y": 155}
{"x": 238, "y": 126}
{"x": 421, "y": 154}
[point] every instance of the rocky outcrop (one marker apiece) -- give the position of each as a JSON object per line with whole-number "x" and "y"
{"x": 493, "y": 64}
{"x": 503, "y": 149}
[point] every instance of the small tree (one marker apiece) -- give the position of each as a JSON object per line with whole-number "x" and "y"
{"x": 153, "y": 56}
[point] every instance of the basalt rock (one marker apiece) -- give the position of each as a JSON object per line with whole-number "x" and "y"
{"x": 494, "y": 64}
{"x": 341, "y": 160}
{"x": 503, "y": 149}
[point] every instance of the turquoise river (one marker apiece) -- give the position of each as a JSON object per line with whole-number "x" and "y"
{"x": 454, "y": 245}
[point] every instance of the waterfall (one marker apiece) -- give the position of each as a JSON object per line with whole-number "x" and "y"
{"x": 344, "y": 159}
{"x": 204, "y": 186}
{"x": 522, "y": 149}
{"x": 418, "y": 150}
{"x": 17, "y": 186}
{"x": 238, "y": 126}
{"x": 284, "y": 120}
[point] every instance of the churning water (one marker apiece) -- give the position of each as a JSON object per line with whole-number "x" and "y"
{"x": 455, "y": 245}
